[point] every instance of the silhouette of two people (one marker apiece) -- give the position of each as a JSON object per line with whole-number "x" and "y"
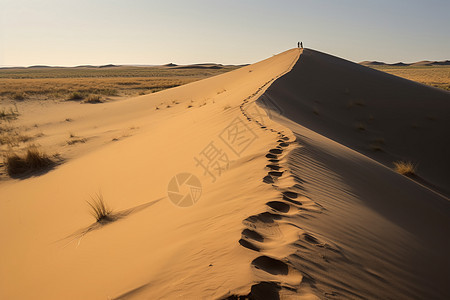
{"x": 300, "y": 45}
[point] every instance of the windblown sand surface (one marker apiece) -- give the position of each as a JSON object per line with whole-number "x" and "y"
{"x": 292, "y": 204}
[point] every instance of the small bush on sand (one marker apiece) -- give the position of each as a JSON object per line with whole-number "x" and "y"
{"x": 74, "y": 141}
{"x": 99, "y": 210}
{"x": 405, "y": 167}
{"x": 33, "y": 160}
{"x": 93, "y": 99}
{"x": 75, "y": 96}
{"x": 18, "y": 96}
{"x": 10, "y": 114}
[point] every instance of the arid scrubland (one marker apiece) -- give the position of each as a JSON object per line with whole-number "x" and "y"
{"x": 78, "y": 83}
{"x": 437, "y": 76}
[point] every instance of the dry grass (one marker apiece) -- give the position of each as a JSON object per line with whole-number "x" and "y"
{"x": 100, "y": 210}
{"x": 74, "y": 141}
{"x": 76, "y": 96}
{"x": 437, "y": 76}
{"x": 33, "y": 160}
{"x": 79, "y": 83}
{"x": 9, "y": 114}
{"x": 13, "y": 138}
{"x": 405, "y": 167}
{"x": 93, "y": 99}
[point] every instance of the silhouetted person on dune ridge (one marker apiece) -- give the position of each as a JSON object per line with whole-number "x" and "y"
{"x": 300, "y": 45}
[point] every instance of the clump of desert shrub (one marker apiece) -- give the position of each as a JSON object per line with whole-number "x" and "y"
{"x": 93, "y": 99}
{"x": 75, "y": 96}
{"x": 405, "y": 167}
{"x": 9, "y": 114}
{"x": 32, "y": 160}
{"x": 100, "y": 210}
{"x": 18, "y": 96}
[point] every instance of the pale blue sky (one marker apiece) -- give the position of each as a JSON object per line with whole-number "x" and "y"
{"x": 61, "y": 32}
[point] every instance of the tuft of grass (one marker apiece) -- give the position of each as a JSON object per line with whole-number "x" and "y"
{"x": 12, "y": 138}
{"x": 33, "y": 160}
{"x": 100, "y": 210}
{"x": 10, "y": 114}
{"x": 93, "y": 99}
{"x": 76, "y": 96}
{"x": 74, "y": 141}
{"x": 18, "y": 96}
{"x": 406, "y": 168}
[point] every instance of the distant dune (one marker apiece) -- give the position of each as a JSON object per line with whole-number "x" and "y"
{"x": 401, "y": 64}
{"x": 171, "y": 65}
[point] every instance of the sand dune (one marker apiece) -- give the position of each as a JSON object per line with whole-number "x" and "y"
{"x": 427, "y": 63}
{"x": 286, "y": 209}
{"x": 382, "y": 116}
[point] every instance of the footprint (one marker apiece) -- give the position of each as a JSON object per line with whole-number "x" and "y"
{"x": 268, "y": 179}
{"x": 270, "y": 155}
{"x": 273, "y": 167}
{"x": 251, "y": 234}
{"x": 279, "y": 206}
{"x": 267, "y": 290}
{"x": 283, "y": 144}
{"x": 276, "y": 173}
{"x": 270, "y": 265}
{"x": 249, "y": 245}
{"x": 276, "y": 151}
{"x": 274, "y": 160}
{"x": 292, "y": 195}
{"x": 265, "y": 217}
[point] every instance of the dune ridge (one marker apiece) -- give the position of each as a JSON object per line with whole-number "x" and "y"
{"x": 378, "y": 234}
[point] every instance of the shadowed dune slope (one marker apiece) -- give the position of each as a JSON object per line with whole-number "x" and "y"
{"x": 382, "y": 116}
{"x": 377, "y": 234}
